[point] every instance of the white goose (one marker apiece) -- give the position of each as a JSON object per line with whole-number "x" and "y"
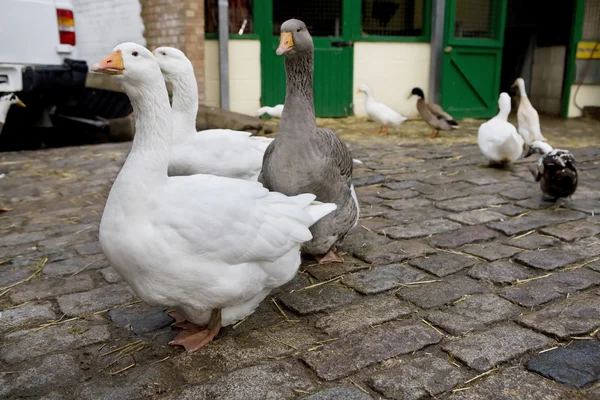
{"x": 380, "y": 112}
{"x": 211, "y": 247}
{"x": 221, "y": 152}
{"x": 5, "y": 102}
{"x": 498, "y": 139}
{"x": 272, "y": 111}
{"x": 527, "y": 117}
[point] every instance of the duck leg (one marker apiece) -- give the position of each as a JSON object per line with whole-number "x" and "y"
{"x": 385, "y": 132}
{"x": 378, "y": 131}
{"x": 194, "y": 338}
{"x": 330, "y": 257}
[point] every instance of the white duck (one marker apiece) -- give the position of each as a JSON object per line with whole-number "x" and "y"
{"x": 5, "y": 102}
{"x": 221, "y": 152}
{"x": 380, "y": 112}
{"x": 498, "y": 139}
{"x": 211, "y": 247}
{"x": 527, "y": 116}
{"x": 272, "y": 111}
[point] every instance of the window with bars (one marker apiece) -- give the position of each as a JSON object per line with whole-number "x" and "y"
{"x": 394, "y": 18}
{"x": 322, "y": 18}
{"x": 241, "y": 21}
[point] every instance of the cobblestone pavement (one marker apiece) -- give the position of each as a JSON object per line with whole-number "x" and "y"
{"x": 459, "y": 283}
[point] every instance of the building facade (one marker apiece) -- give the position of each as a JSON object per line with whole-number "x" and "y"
{"x": 462, "y": 53}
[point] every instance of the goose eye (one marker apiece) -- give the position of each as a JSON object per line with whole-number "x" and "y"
{"x": 135, "y": 54}
{"x": 163, "y": 53}
{"x": 298, "y": 30}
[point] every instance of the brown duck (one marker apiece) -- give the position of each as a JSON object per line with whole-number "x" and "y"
{"x": 433, "y": 114}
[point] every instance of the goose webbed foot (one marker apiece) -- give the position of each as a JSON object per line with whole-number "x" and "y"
{"x": 195, "y": 337}
{"x": 385, "y": 131}
{"x": 330, "y": 257}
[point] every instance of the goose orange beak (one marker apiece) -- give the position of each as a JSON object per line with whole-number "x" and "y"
{"x": 111, "y": 65}
{"x": 286, "y": 43}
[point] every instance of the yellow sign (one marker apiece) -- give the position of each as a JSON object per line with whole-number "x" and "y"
{"x": 585, "y": 49}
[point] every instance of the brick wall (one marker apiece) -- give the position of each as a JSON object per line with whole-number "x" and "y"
{"x": 180, "y": 24}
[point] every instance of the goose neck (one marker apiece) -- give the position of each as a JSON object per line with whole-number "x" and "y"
{"x": 298, "y": 110}
{"x": 522, "y": 91}
{"x": 151, "y": 146}
{"x": 185, "y": 104}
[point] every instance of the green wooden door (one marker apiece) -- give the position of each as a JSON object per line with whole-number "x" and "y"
{"x": 333, "y": 54}
{"x": 472, "y": 58}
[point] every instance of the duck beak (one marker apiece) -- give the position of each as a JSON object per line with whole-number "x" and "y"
{"x": 286, "y": 43}
{"x": 20, "y": 103}
{"x": 409, "y": 96}
{"x": 111, "y": 65}
{"x": 530, "y": 151}
{"x": 358, "y": 91}
{"x": 514, "y": 85}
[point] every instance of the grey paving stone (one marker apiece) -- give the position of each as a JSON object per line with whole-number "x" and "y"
{"x": 519, "y": 193}
{"x": 465, "y": 235}
{"x": 575, "y": 316}
{"x": 321, "y": 298}
{"x": 403, "y": 185}
{"x": 515, "y": 384}
{"x": 373, "y": 311}
{"x": 23, "y": 345}
{"x": 536, "y": 220}
{"x": 55, "y": 371}
{"x": 368, "y": 180}
{"x": 553, "y": 287}
{"x": 586, "y": 248}
{"x": 549, "y": 259}
{"x": 26, "y": 315}
{"x": 110, "y": 275}
{"x": 501, "y": 272}
{"x": 420, "y": 378}
{"x": 340, "y": 393}
{"x": 277, "y": 381}
{"x": 368, "y": 346}
{"x": 21, "y": 238}
{"x": 490, "y": 251}
{"x": 532, "y": 241}
{"x": 87, "y": 249}
{"x": 482, "y": 180}
{"x": 590, "y": 206}
{"x": 441, "y": 195}
{"x": 509, "y": 209}
{"x": 234, "y": 352}
{"x": 140, "y": 318}
{"x": 439, "y": 179}
{"x": 536, "y": 203}
{"x": 398, "y": 194}
{"x": 46, "y": 288}
{"x": 377, "y": 224}
{"x": 476, "y": 217}
{"x": 406, "y": 204}
{"x": 572, "y": 230}
{"x": 483, "y": 351}
{"x": 474, "y": 314}
{"x": 436, "y": 294}
{"x": 380, "y": 279}
{"x": 576, "y": 365}
{"x": 442, "y": 264}
{"x": 325, "y": 272}
{"x": 421, "y": 229}
{"x": 75, "y": 265}
{"x": 595, "y": 265}
{"x": 102, "y": 298}
{"x": 412, "y": 215}
{"x": 470, "y": 203}
{"x": 394, "y": 252}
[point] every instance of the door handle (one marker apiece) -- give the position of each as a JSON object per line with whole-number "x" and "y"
{"x": 342, "y": 44}
{"x": 448, "y": 49}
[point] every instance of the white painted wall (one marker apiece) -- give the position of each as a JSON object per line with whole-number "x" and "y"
{"x": 101, "y": 25}
{"x": 391, "y": 70}
{"x": 547, "y": 78}
{"x": 244, "y": 75}
{"x": 589, "y": 95}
